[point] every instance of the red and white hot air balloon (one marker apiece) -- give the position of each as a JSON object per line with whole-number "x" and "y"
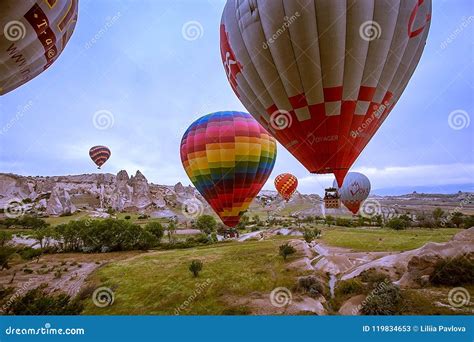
{"x": 354, "y": 190}
{"x": 33, "y": 33}
{"x": 322, "y": 75}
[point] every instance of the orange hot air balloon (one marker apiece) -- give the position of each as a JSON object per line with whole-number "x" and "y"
{"x": 33, "y": 33}
{"x": 286, "y": 185}
{"x": 322, "y": 75}
{"x": 99, "y": 155}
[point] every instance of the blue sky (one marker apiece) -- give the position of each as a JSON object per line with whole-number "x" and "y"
{"x": 131, "y": 61}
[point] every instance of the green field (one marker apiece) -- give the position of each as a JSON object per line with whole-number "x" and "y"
{"x": 382, "y": 239}
{"x": 160, "y": 282}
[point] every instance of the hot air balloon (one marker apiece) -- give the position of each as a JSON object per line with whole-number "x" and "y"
{"x": 33, "y": 33}
{"x": 228, "y": 156}
{"x": 286, "y": 185}
{"x": 99, "y": 155}
{"x": 354, "y": 191}
{"x": 322, "y": 75}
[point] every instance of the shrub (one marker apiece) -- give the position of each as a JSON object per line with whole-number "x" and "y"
{"x": 143, "y": 217}
{"x": 285, "y": 250}
{"x": 156, "y": 229}
{"x": 385, "y": 300}
{"x": 396, "y": 223}
{"x": 5, "y": 237}
{"x": 311, "y": 234}
{"x": 195, "y": 267}
{"x": 349, "y": 286}
{"x": 342, "y": 222}
{"x": 5, "y": 255}
{"x": 373, "y": 277}
{"x": 28, "y": 253}
{"x": 39, "y": 302}
{"x": 127, "y": 217}
{"x": 311, "y": 285}
{"x": 454, "y": 272}
{"x": 206, "y": 224}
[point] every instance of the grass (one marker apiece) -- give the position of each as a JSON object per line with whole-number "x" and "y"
{"x": 160, "y": 282}
{"x": 382, "y": 239}
{"x": 54, "y": 221}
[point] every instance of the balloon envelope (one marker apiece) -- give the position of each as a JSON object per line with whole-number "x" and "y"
{"x": 321, "y": 76}
{"x": 99, "y": 154}
{"x": 228, "y": 156}
{"x": 33, "y": 33}
{"x": 355, "y": 190}
{"x": 286, "y": 185}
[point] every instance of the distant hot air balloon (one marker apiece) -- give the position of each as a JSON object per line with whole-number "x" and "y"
{"x": 354, "y": 191}
{"x": 286, "y": 185}
{"x": 322, "y": 75}
{"x": 228, "y": 156}
{"x": 99, "y": 155}
{"x": 33, "y": 33}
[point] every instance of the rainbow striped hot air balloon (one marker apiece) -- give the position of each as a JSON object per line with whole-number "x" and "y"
{"x": 99, "y": 155}
{"x": 228, "y": 156}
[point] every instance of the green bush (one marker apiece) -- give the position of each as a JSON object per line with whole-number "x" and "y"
{"x": 350, "y": 286}
{"x": 311, "y": 285}
{"x": 127, "y": 217}
{"x": 342, "y": 222}
{"x": 195, "y": 267}
{"x": 397, "y": 223}
{"x": 286, "y": 250}
{"x": 206, "y": 224}
{"x": 386, "y": 299}
{"x": 38, "y": 302}
{"x": 373, "y": 277}
{"x": 454, "y": 272}
{"x": 311, "y": 234}
{"x": 156, "y": 229}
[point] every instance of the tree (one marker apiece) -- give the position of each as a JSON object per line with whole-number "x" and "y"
{"x": 5, "y": 237}
{"x": 5, "y": 254}
{"x": 311, "y": 234}
{"x": 330, "y": 220}
{"x": 256, "y": 219}
{"x": 171, "y": 230}
{"x": 438, "y": 214}
{"x": 195, "y": 267}
{"x": 206, "y": 223}
{"x": 286, "y": 250}
{"x": 457, "y": 219}
{"x": 469, "y": 221}
{"x": 396, "y": 223}
{"x": 156, "y": 229}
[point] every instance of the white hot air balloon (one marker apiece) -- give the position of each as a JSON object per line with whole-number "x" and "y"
{"x": 354, "y": 191}
{"x": 322, "y": 75}
{"x": 33, "y": 33}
